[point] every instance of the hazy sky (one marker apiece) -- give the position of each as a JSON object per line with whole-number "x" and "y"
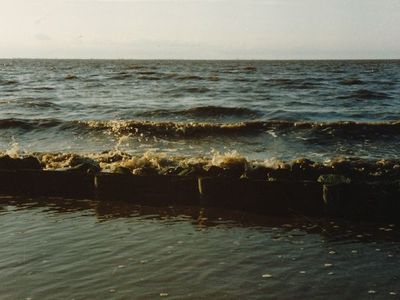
{"x": 230, "y": 29}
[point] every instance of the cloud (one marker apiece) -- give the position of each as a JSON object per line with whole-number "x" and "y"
{"x": 42, "y": 37}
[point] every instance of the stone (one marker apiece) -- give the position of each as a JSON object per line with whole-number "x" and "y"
{"x": 145, "y": 171}
{"x": 122, "y": 170}
{"x": 84, "y": 165}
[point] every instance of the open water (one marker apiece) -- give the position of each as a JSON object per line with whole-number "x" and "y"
{"x": 261, "y": 109}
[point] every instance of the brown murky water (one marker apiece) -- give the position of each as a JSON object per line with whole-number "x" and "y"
{"x": 59, "y": 249}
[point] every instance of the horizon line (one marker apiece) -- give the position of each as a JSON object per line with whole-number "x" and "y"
{"x": 205, "y": 59}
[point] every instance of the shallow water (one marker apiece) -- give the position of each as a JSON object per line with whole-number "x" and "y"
{"x": 60, "y": 249}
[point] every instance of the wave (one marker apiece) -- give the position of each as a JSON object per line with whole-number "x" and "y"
{"x": 197, "y": 90}
{"x": 149, "y": 77}
{"x": 314, "y": 130}
{"x": 189, "y": 77}
{"x": 351, "y": 81}
{"x": 299, "y": 84}
{"x": 147, "y": 73}
{"x": 341, "y": 129}
{"x": 43, "y": 88}
{"x": 231, "y": 163}
{"x": 70, "y": 77}
{"x": 366, "y": 95}
{"x": 39, "y": 104}
{"x": 250, "y": 69}
{"x": 121, "y": 76}
{"x": 29, "y": 124}
{"x": 210, "y": 111}
{"x": 8, "y": 82}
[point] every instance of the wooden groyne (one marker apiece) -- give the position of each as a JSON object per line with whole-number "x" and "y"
{"x": 330, "y": 194}
{"x": 368, "y": 199}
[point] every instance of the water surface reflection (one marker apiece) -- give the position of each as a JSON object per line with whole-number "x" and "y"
{"x": 57, "y": 248}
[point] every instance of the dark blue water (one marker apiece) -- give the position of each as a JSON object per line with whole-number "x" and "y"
{"x": 260, "y": 109}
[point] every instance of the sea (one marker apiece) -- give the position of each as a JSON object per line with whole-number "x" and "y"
{"x": 176, "y": 112}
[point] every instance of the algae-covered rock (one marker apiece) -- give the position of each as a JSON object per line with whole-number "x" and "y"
{"x": 122, "y": 170}
{"x": 188, "y": 172}
{"x": 172, "y": 171}
{"x": 84, "y": 164}
{"x": 86, "y": 168}
{"x": 145, "y": 171}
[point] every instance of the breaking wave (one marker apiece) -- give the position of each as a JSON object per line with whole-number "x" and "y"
{"x": 232, "y": 164}
{"x": 342, "y": 129}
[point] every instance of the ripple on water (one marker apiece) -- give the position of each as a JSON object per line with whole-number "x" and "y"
{"x": 157, "y": 252}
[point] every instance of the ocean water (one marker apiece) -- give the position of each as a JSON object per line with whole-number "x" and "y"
{"x": 58, "y": 249}
{"x": 259, "y": 109}
{"x": 165, "y": 114}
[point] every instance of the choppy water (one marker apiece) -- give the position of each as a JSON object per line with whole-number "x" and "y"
{"x": 159, "y": 113}
{"x": 59, "y": 249}
{"x": 262, "y": 109}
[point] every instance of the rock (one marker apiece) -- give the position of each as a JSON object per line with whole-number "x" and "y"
{"x": 85, "y": 168}
{"x": 78, "y": 160}
{"x": 122, "y": 170}
{"x": 172, "y": 171}
{"x": 84, "y": 164}
{"x": 191, "y": 171}
{"x": 333, "y": 179}
{"x": 145, "y": 171}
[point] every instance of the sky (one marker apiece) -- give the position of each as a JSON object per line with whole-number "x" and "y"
{"x": 200, "y": 29}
